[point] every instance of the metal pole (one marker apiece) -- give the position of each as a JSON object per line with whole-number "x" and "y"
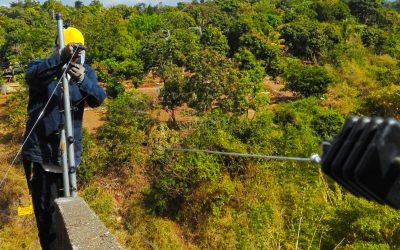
{"x": 63, "y": 148}
{"x": 68, "y": 121}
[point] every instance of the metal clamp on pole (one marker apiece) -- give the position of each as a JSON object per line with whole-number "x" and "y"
{"x": 67, "y": 146}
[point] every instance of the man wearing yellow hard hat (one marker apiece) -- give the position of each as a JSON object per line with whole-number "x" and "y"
{"x": 73, "y": 35}
{"x": 41, "y": 152}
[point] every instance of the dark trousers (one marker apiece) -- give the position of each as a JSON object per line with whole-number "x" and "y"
{"x": 44, "y": 188}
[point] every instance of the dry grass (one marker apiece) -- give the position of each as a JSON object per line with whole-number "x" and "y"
{"x": 16, "y": 232}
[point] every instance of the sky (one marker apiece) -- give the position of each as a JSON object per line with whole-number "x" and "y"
{"x": 110, "y": 2}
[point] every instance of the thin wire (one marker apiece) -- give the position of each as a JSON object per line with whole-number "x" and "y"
{"x": 164, "y": 26}
{"x": 147, "y": 241}
{"x": 314, "y": 158}
{"x": 170, "y": 20}
{"x": 36, "y": 122}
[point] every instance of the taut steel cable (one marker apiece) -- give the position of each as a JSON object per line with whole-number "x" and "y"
{"x": 314, "y": 158}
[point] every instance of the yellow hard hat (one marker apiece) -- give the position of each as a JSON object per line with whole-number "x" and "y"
{"x": 73, "y": 35}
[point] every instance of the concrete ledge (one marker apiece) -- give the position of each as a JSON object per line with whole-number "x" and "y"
{"x": 79, "y": 228}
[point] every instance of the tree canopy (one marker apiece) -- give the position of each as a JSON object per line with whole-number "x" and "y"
{"x": 273, "y": 77}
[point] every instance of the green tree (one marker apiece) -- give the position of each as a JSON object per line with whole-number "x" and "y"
{"x": 109, "y": 37}
{"x": 214, "y": 39}
{"x": 172, "y": 94}
{"x": 56, "y": 6}
{"x": 145, "y": 24}
{"x": 96, "y": 5}
{"x": 78, "y": 4}
{"x": 111, "y": 44}
{"x": 384, "y": 102}
{"x": 368, "y": 11}
{"x": 155, "y": 53}
{"x": 23, "y": 42}
{"x": 305, "y": 39}
{"x": 210, "y": 14}
{"x": 217, "y": 82}
{"x": 329, "y": 11}
{"x": 263, "y": 50}
{"x": 205, "y": 86}
{"x": 114, "y": 87}
{"x": 327, "y": 123}
{"x": 122, "y": 134}
{"x": 177, "y": 20}
{"x": 307, "y": 80}
{"x": 182, "y": 44}
{"x": 249, "y": 65}
{"x": 236, "y": 30}
{"x": 158, "y": 52}
{"x": 375, "y": 39}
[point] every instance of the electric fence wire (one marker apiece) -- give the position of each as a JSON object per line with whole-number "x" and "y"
{"x": 314, "y": 158}
{"x": 164, "y": 26}
{"x": 36, "y": 122}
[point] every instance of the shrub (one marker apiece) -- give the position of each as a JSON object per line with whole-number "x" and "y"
{"x": 176, "y": 182}
{"x": 329, "y": 11}
{"x": 93, "y": 160}
{"x": 160, "y": 232}
{"x": 101, "y": 202}
{"x": 383, "y": 102}
{"x": 16, "y": 117}
{"x": 124, "y": 131}
{"x": 375, "y": 39}
{"x": 307, "y": 80}
{"x": 114, "y": 87}
{"x": 327, "y": 123}
{"x": 265, "y": 51}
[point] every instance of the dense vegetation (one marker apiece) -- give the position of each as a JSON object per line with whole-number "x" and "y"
{"x": 336, "y": 57}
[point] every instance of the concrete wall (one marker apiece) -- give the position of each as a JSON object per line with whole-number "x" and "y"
{"x": 80, "y": 228}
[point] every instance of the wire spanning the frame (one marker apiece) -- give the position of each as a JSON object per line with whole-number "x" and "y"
{"x": 314, "y": 158}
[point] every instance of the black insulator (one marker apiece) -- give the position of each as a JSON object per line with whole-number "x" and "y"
{"x": 364, "y": 158}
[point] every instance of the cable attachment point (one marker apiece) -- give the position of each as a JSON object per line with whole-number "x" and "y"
{"x": 315, "y": 158}
{"x": 71, "y": 139}
{"x": 72, "y": 169}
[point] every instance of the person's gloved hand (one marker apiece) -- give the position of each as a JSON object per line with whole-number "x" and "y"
{"x": 76, "y": 71}
{"x": 67, "y": 52}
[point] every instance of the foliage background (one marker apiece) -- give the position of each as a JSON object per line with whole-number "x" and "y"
{"x": 336, "y": 58}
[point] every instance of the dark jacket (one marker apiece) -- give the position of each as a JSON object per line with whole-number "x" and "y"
{"x": 42, "y": 76}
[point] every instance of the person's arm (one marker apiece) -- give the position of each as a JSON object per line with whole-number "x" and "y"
{"x": 89, "y": 86}
{"x": 41, "y": 71}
